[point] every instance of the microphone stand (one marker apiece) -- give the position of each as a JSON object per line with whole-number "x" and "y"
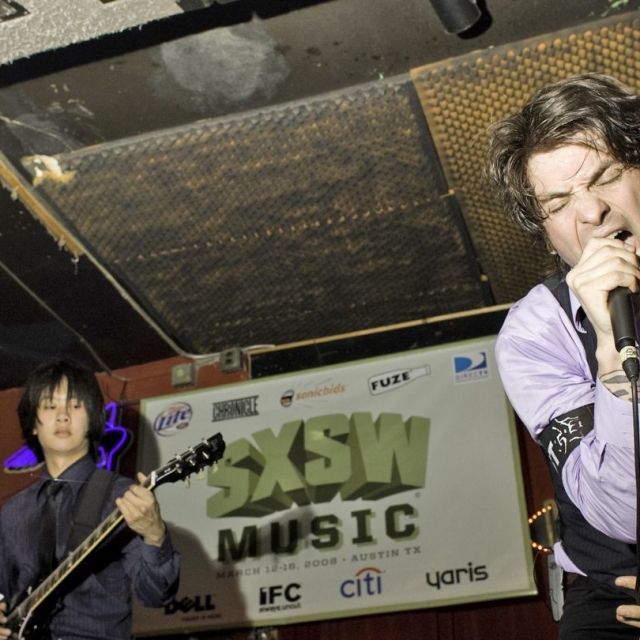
{"x": 623, "y": 325}
{"x": 636, "y": 447}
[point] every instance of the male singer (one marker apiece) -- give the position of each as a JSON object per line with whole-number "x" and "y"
{"x": 566, "y": 169}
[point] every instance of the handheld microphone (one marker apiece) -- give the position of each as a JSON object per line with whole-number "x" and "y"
{"x": 623, "y": 325}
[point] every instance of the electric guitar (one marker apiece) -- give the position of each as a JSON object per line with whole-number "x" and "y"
{"x": 28, "y": 619}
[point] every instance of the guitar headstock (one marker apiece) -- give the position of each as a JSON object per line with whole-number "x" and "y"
{"x": 192, "y": 461}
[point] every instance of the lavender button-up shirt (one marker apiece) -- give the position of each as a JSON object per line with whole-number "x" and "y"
{"x": 545, "y": 373}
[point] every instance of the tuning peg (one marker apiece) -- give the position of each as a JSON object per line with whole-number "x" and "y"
{"x": 187, "y": 482}
{"x": 214, "y": 467}
{"x": 201, "y": 474}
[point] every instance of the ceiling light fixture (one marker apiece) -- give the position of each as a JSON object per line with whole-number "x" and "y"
{"x": 457, "y": 15}
{"x": 191, "y": 5}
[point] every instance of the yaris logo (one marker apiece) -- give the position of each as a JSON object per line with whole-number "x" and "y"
{"x": 173, "y": 419}
{"x": 367, "y": 582}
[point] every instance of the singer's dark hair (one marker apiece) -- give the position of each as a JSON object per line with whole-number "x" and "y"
{"x": 593, "y": 110}
{"x": 81, "y": 385}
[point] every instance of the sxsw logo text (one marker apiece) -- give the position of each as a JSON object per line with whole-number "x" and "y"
{"x": 351, "y": 455}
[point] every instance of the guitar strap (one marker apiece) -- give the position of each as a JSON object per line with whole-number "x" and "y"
{"x": 86, "y": 517}
{"x": 89, "y": 506}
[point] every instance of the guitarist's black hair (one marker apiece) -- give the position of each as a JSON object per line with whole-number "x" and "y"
{"x": 81, "y": 384}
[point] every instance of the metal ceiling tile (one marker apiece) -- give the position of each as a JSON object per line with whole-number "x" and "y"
{"x": 463, "y": 96}
{"x": 312, "y": 219}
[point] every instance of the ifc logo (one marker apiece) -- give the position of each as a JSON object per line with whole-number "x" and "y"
{"x": 173, "y": 419}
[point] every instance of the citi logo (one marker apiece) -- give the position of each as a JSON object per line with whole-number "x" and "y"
{"x": 367, "y": 582}
{"x": 173, "y": 419}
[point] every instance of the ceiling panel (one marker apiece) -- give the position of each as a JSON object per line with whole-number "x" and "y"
{"x": 33, "y": 26}
{"x": 319, "y": 218}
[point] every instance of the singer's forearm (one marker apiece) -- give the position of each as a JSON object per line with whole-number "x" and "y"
{"x": 617, "y": 383}
{"x": 610, "y": 369}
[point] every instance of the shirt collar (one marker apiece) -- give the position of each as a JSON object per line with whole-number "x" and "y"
{"x": 577, "y": 314}
{"x": 75, "y": 475}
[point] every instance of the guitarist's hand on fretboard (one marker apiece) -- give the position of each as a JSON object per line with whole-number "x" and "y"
{"x": 141, "y": 512}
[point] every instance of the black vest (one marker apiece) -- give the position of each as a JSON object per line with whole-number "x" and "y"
{"x": 602, "y": 558}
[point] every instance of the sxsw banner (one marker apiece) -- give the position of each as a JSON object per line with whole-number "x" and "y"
{"x": 380, "y": 485}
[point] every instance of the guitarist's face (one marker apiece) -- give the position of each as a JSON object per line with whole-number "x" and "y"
{"x": 62, "y": 425}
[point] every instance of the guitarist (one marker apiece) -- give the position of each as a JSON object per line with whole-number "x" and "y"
{"x": 61, "y": 417}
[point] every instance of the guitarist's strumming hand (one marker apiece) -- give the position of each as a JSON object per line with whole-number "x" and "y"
{"x": 4, "y": 633}
{"x": 141, "y": 512}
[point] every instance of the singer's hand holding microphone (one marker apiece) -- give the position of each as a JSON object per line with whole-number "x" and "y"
{"x": 623, "y": 326}
{"x": 603, "y": 262}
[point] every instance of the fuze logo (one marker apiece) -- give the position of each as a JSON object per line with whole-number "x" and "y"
{"x": 190, "y": 604}
{"x": 314, "y": 460}
{"x": 367, "y": 582}
{"x": 394, "y": 379}
{"x": 174, "y": 418}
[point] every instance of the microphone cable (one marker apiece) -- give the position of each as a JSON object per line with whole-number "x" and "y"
{"x": 636, "y": 446}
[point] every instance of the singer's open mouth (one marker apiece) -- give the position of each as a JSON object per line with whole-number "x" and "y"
{"x": 620, "y": 235}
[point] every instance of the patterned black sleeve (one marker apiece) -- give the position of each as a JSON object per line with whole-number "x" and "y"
{"x": 564, "y": 433}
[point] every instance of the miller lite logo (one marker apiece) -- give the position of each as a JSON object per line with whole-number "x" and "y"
{"x": 173, "y": 419}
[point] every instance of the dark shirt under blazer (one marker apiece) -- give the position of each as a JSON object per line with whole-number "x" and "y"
{"x": 99, "y": 608}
